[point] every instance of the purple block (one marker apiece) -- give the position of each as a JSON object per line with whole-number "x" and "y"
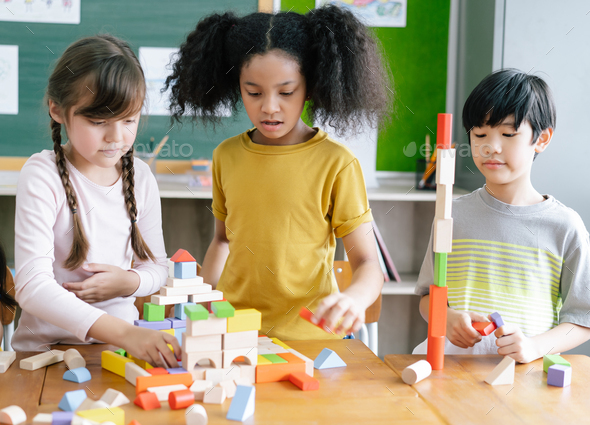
{"x": 62, "y": 418}
{"x": 176, "y": 370}
{"x": 158, "y": 326}
{"x": 497, "y": 319}
{"x": 177, "y": 323}
{"x": 559, "y": 375}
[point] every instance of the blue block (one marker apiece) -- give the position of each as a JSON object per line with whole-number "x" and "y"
{"x": 176, "y": 370}
{"x": 78, "y": 375}
{"x": 186, "y": 270}
{"x": 72, "y": 400}
{"x": 328, "y": 359}
{"x": 177, "y": 323}
{"x": 179, "y": 310}
{"x": 497, "y": 319}
{"x": 178, "y": 334}
{"x": 158, "y": 326}
{"x": 243, "y": 404}
{"x": 62, "y": 418}
{"x": 559, "y": 375}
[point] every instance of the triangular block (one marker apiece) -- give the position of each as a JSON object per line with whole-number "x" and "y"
{"x": 328, "y": 359}
{"x": 78, "y": 375}
{"x": 147, "y": 401}
{"x": 243, "y": 404}
{"x": 114, "y": 398}
{"x": 503, "y": 374}
{"x": 182, "y": 256}
{"x": 71, "y": 400}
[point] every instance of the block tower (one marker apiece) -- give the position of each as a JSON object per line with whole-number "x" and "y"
{"x": 442, "y": 242}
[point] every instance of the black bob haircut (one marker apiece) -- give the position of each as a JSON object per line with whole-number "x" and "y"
{"x": 346, "y": 79}
{"x": 511, "y": 92}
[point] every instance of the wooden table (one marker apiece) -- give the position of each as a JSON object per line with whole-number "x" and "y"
{"x": 364, "y": 392}
{"x": 459, "y": 394}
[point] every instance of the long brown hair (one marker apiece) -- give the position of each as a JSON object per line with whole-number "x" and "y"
{"x": 107, "y": 68}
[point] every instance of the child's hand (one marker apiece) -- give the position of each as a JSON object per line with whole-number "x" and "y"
{"x": 107, "y": 283}
{"x": 459, "y": 329}
{"x": 151, "y": 346}
{"x": 340, "y": 306}
{"x": 513, "y": 343}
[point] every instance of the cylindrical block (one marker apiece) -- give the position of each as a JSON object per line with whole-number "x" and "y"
{"x": 74, "y": 359}
{"x": 416, "y": 372}
{"x": 436, "y": 352}
{"x": 181, "y": 399}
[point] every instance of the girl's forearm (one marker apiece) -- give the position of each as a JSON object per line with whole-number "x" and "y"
{"x": 561, "y": 338}
{"x": 366, "y": 283}
{"x": 214, "y": 261}
{"x": 110, "y": 329}
{"x": 424, "y": 306}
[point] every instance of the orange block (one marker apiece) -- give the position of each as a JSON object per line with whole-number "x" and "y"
{"x": 437, "y": 311}
{"x": 147, "y": 401}
{"x": 182, "y": 256}
{"x": 145, "y": 382}
{"x": 436, "y": 352}
{"x": 181, "y": 399}
{"x": 304, "y": 381}
{"x": 306, "y": 314}
{"x": 279, "y": 371}
{"x": 484, "y": 328}
{"x": 444, "y": 130}
{"x": 291, "y": 358}
{"x": 158, "y": 371}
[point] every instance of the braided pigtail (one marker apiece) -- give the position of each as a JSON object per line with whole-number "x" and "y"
{"x": 80, "y": 245}
{"x": 140, "y": 248}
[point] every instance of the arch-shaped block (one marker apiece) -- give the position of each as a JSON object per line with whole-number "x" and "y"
{"x": 250, "y": 355}
{"x": 190, "y": 360}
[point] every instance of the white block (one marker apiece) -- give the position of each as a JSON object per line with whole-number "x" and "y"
{"x": 132, "y": 371}
{"x": 416, "y": 372}
{"x": 445, "y": 166}
{"x": 230, "y": 388}
{"x": 43, "y": 418}
{"x": 503, "y": 374}
{"x": 262, "y": 339}
{"x": 243, "y": 381}
{"x": 218, "y": 375}
{"x": 444, "y": 201}
{"x": 308, "y": 362}
{"x": 114, "y": 398}
{"x": 198, "y": 372}
{"x": 78, "y": 420}
{"x": 12, "y": 415}
{"x": 200, "y": 387}
{"x": 201, "y": 343}
{"x": 212, "y": 326}
{"x": 89, "y": 404}
{"x": 170, "y": 269}
{"x": 248, "y": 373}
{"x": 164, "y": 300}
{"x": 42, "y": 360}
{"x": 443, "y": 235}
{"x": 164, "y": 391}
{"x": 216, "y": 395}
{"x": 6, "y": 359}
{"x": 185, "y": 290}
{"x": 74, "y": 359}
{"x": 196, "y": 415}
{"x": 250, "y": 353}
{"x": 189, "y": 360}
{"x": 240, "y": 340}
{"x": 174, "y": 282}
{"x": 214, "y": 295}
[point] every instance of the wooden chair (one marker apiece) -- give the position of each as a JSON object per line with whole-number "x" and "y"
{"x": 369, "y": 332}
{"x": 7, "y": 313}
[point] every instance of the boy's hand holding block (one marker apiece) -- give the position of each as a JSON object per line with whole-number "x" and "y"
{"x": 484, "y": 328}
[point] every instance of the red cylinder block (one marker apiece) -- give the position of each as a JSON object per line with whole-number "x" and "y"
{"x": 436, "y": 352}
{"x": 181, "y": 399}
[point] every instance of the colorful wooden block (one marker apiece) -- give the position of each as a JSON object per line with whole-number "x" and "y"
{"x": 176, "y": 323}
{"x": 306, "y": 314}
{"x": 243, "y": 404}
{"x": 240, "y": 340}
{"x": 304, "y": 382}
{"x": 437, "y": 311}
{"x": 204, "y": 288}
{"x": 180, "y": 399}
{"x": 185, "y": 270}
{"x": 164, "y": 391}
{"x": 179, "y": 310}
{"x": 114, "y": 398}
{"x": 78, "y": 375}
{"x": 114, "y": 362}
{"x": 189, "y": 360}
{"x": 444, "y": 131}
{"x": 277, "y": 372}
{"x": 164, "y": 300}
{"x": 214, "y": 295}
{"x": 120, "y": 352}
{"x": 308, "y": 362}
{"x": 173, "y": 282}
{"x": 41, "y": 360}
{"x": 327, "y": 359}
{"x": 212, "y": 326}
{"x": 559, "y": 375}
{"x": 443, "y": 235}
{"x": 182, "y": 255}
{"x": 436, "y": 352}
{"x": 62, "y": 418}
{"x": 274, "y": 358}
{"x": 157, "y": 371}
{"x": 145, "y": 382}
{"x": 280, "y": 343}
{"x": 133, "y": 422}
{"x": 175, "y": 370}
{"x": 147, "y": 401}
{"x": 416, "y": 372}
{"x": 440, "y": 269}
{"x": 110, "y": 414}
{"x": 71, "y": 400}
{"x": 484, "y": 328}
{"x": 132, "y": 371}
{"x": 196, "y": 415}
{"x": 248, "y": 319}
{"x": 263, "y": 360}
{"x": 194, "y": 311}
{"x": 497, "y": 319}
{"x": 153, "y": 312}
{"x": 551, "y": 359}
{"x": 169, "y": 332}
{"x": 223, "y": 309}
{"x": 157, "y": 326}
{"x": 215, "y": 395}
{"x": 444, "y": 201}
{"x": 445, "y": 166}
{"x": 503, "y": 374}
{"x": 13, "y": 415}
{"x": 74, "y": 359}
{"x": 6, "y": 359}
{"x": 178, "y": 334}
{"x": 201, "y": 343}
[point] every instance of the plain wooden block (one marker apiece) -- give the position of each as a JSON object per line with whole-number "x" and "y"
{"x": 244, "y": 381}
{"x": 132, "y": 371}
{"x": 196, "y": 415}
{"x": 445, "y": 166}
{"x": 443, "y": 235}
{"x": 42, "y": 360}
{"x": 308, "y": 362}
{"x": 43, "y": 418}
{"x": 215, "y": 376}
{"x": 215, "y": 395}
{"x": 503, "y": 374}
{"x": 201, "y": 343}
{"x": 251, "y": 354}
{"x": 170, "y": 269}
{"x": 89, "y": 404}
{"x": 229, "y": 386}
{"x": 198, "y": 372}
{"x": 164, "y": 300}
{"x": 416, "y": 372}
{"x": 444, "y": 201}
{"x": 185, "y": 290}
{"x": 240, "y": 340}
{"x": 200, "y": 387}
{"x": 214, "y": 295}
{"x": 163, "y": 392}
{"x": 189, "y": 360}
{"x": 212, "y": 326}
{"x": 74, "y": 359}
{"x": 173, "y": 282}
{"x": 13, "y": 415}
{"x": 248, "y": 372}
{"x": 114, "y": 398}
{"x": 6, "y": 359}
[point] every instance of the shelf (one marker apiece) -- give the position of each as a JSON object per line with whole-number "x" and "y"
{"x": 405, "y": 287}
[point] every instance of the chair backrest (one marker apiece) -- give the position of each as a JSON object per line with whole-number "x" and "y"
{"x": 7, "y": 313}
{"x": 343, "y": 273}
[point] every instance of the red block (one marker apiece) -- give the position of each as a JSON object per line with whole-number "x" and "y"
{"x": 181, "y": 399}
{"x": 182, "y": 256}
{"x": 444, "y": 131}
{"x": 484, "y": 328}
{"x": 147, "y": 401}
{"x": 306, "y": 314}
{"x": 145, "y": 382}
{"x": 157, "y": 371}
{"x": 436, "y": 352}
{"x": 437, "y": 311}
{"x": 304, "y": 381}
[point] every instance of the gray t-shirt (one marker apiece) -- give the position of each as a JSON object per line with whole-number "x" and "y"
{"x": 529, "y": 263}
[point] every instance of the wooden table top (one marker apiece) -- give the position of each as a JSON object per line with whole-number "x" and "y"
{"x": 364, "y": 392}
{"x": 459, "y": 394}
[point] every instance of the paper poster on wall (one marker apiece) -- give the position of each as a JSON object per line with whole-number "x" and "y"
{"x": 8, "y": 80}
{"x": 375, "y": 13}
{"x": 155, "y": 62}
{"x": 45, "y": 11}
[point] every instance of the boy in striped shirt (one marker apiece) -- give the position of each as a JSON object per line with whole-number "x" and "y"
{"x": 515, "y": 251}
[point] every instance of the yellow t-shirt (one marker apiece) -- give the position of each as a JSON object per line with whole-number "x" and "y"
{"x": 284, "y": 207}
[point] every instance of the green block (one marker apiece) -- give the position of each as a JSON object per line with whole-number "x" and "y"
{"x": 551, "y": 359}
{"x": 121, "y": 352}
{"x": 274, "y": 358}
{"x": 440, "y": 269}
{"x": 153, "y": 312}
{"x": 196, "y": 312}
{"x": 223, "y": 309}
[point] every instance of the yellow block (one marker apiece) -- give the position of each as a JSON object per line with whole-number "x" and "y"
{"x": 248, "y": 319}
{"x": 114, "y": 362}
{"x": 281, "y": 343}
{"x": 141, "y": 363}
{"x": 112, "y": 414}
{"x": 168, "y": 331}
{"x": 263, "y": 360}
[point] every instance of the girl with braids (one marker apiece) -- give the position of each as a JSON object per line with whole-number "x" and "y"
{"x": 85, "y": 209}
{"x": 283, "y": 191}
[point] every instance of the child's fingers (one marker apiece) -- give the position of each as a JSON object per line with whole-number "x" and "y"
{"x": 97, "y": 267}
{"x": 73, "y": 286}
{"x": 175, "y": 345}
{"x": 358, "y": 323}
{"x": 324, "y": 306}
{"x": 507, "y": 329}
{"x": 347, "y": 322}
{"x": 335, "y": 313}
{"x": 167, "y": 354}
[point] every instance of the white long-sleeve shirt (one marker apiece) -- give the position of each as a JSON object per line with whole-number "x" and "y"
{"x": 43, "y": 240}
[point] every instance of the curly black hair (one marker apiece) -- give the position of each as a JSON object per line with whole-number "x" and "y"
{"x": 348, "y": 82}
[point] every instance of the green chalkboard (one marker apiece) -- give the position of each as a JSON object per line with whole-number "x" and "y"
{"x": 142, "y": 23}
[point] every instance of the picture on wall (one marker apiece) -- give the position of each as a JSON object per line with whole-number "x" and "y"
{"x": 8, "y": 80}
{"x": 375, "y": 13}
{"x": 42, "y": 11}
